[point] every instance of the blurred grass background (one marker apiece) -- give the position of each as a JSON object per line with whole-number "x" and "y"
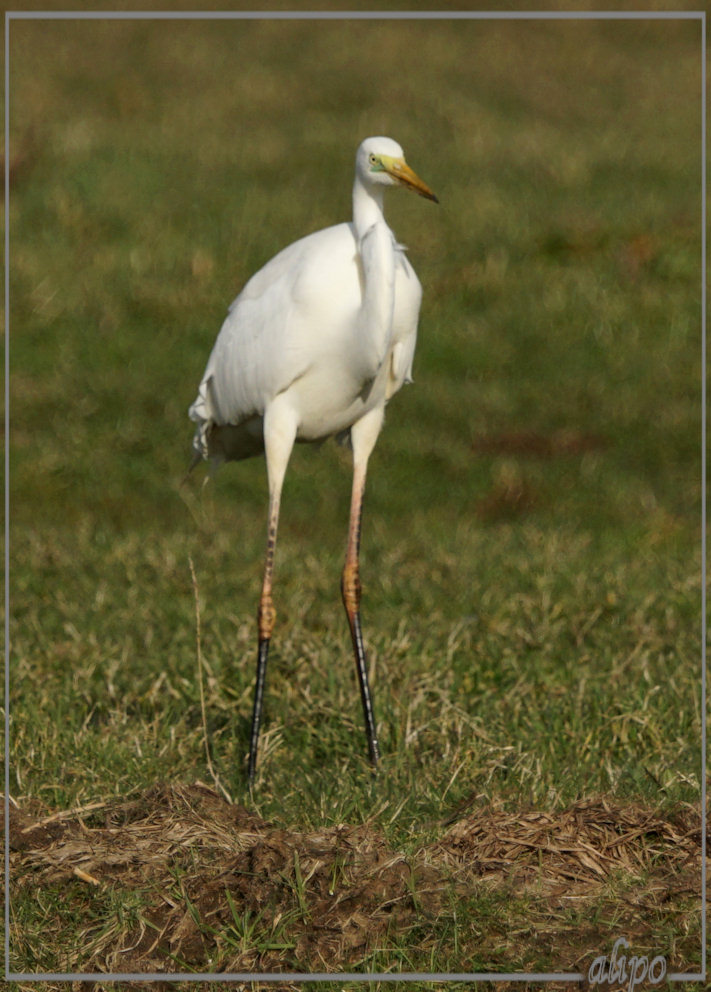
{"x": 531, "y": 546}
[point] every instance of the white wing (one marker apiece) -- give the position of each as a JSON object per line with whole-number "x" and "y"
{"x": 306, "y": 321}
{"x": 277, "y": 328}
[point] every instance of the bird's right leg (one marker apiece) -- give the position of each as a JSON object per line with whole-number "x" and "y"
{"x": 364, "y": 434}
{"x": 279, "y": 434}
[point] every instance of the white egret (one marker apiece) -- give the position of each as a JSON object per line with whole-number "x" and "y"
{"x": 315, "y": 345}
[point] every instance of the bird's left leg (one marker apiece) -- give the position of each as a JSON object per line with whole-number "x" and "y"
{"x": 364, "y": 434}
{"x": 279, "y": 434}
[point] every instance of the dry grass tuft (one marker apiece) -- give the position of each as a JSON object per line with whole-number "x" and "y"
{"x": 584, "y": 843}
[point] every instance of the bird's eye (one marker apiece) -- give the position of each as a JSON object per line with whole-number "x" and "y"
{"x": 373, "y": 159}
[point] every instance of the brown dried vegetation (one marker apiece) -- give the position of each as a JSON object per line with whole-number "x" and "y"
{"x": 535, "y": 445}
{"x": 223, "y": 890}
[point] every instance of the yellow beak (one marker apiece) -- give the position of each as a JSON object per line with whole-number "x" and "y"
{"x": 403, "y": 174}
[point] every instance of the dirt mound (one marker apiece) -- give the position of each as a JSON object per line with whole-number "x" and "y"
{"x": 316, "y": 898}
{"x": 221, "y": 889}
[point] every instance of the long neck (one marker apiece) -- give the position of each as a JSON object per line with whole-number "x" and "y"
{"x": 376, "y": 248}
{"x": 367, "y": 206}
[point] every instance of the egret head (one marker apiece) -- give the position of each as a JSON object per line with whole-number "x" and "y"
{"x": 381, "y": 162}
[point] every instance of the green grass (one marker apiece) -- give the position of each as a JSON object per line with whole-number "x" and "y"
{"x": 533, "y": 619}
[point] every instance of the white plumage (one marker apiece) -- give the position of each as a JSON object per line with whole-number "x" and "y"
{"x": 304, "y": 325}
{"x": 316, "y": 344}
